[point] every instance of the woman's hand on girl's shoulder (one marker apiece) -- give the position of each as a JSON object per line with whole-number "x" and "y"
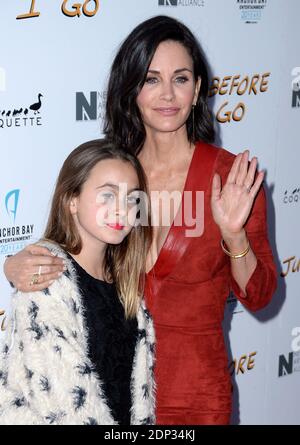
{"x": 33, "y": 268}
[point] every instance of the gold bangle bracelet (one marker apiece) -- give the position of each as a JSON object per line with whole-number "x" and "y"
{"x": 235, "y": 255}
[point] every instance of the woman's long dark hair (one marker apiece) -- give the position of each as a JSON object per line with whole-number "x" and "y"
{"x": 123, "y": 123}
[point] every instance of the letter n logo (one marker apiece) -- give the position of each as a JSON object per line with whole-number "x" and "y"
{"x": 167, "y": 2}
{"x": 296, "y": 98}
{"x": 285, "y": 367}
{"x": 86, "y": 110}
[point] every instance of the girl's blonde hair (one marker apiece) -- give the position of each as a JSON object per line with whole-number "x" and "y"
{"x": 124, "y": 263}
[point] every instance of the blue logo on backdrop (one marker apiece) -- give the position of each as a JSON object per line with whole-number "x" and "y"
{"x": 13, "y": 237}
{"x": 251, "y": 10}
{"x": 11, "y": 203}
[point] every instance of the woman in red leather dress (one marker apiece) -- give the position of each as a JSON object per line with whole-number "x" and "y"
{"x": 156, "y": 107}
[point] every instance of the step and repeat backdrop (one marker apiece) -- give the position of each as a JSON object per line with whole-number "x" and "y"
{"x": 55, "y": 58}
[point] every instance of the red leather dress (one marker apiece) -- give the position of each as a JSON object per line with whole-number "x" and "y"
{"x": 186, "y": 293}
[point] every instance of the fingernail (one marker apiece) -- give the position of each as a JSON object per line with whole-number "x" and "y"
{"x": 60, "y": 274}
{"x": 65, "y": 267}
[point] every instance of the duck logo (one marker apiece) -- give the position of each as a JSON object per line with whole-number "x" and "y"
{"x": 23, "y": 116}
{"x": 11, "y": 203}
{"x": 36, "y": 106}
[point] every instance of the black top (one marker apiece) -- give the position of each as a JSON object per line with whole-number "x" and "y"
{"x": 111, "y": 341}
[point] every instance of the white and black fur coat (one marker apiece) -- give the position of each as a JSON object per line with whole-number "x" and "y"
{"x": 46, "y": 376}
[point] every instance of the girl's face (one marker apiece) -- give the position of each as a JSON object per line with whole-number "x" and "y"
{"x": 105, "y": 210}
{"x": 170, "y": 89}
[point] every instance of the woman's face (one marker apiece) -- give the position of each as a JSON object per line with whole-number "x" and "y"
{"x": 105, "y": 210}
{"x": 170, "y": 90}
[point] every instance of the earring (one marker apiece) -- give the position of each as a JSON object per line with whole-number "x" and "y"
{"x": 193, "y": 122}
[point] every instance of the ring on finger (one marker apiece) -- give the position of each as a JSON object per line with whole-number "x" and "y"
{"x": 34, "y": 279}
